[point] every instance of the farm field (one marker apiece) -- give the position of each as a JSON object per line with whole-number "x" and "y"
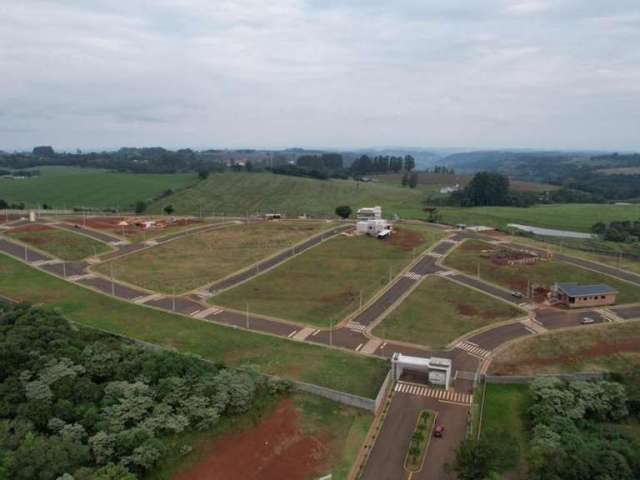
{"x": 68, "y": 187}
{"x": 322, "y": 285}
{"x": 608, "y": 347}
{"x": 431, "y": 182}
{"x": 62, "y": 244}
{"x": 327, "y": 367}
{"x": 438, "y": 311}
{"x": 474, "y": 253}
{"x": 574, "y": 216}
{"x": 202, "y": 258}
{"x": 241, "y": 193}
{"x": 299, "y": 437}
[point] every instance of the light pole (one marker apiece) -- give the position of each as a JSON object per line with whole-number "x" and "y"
{"x": 173, "y": 300}
{"x": 247, "y": 315}
{"x": 113, "y": 285}
{"x": 331, "y": 332}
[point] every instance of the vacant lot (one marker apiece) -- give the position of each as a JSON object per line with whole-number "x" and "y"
{"x": 59, "y": 243}
{"x": 439, "y": 311}
{"x": 323, "y": 285}
{"x": 474, "y": 253}
{"x": 68, "y": 187}
{"x": 242, "y": 193}
{"x": 574, "y": 216}
{"x": 505, "y": 409}
{"x": 611, "y": 347}
{"x": 323, "y": 366}
{"x": 300, "y": 437}
{"x": 201, "y": 258}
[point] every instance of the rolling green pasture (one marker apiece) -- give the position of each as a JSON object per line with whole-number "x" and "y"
{"x": 62, "y": 244}
{"x": 573, "y": 216}
{"x": 314, "y": 364}
{"x": 234, "y": 193}
{"x": 474, "y": 253}
{"x": 68, "y": 187}
{"x": 201, "y": 258}
{"x": 438, "y": 311}
{"x": 321, "y": 286}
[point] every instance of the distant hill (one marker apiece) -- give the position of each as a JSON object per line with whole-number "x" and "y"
{"x": 240, "y": 193}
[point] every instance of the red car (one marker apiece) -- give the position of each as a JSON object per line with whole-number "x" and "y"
{"x": 438, "y": 431}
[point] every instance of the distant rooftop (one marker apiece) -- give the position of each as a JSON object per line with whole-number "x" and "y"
{"x": 575, "y": 290}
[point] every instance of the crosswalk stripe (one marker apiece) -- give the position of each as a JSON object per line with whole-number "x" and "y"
{"x": 437, "y": 393}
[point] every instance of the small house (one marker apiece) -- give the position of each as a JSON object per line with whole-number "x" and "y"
{"x": 376, "y": 228}
{"x": 573, "y": 295}
{"x": 369, "y": 213}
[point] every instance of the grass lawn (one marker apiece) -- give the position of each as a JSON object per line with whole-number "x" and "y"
{"x": 328, "y": 367}
{"x": 439, "y": 311}
{"x": 322, "y": 285}
{"x": 472, "y": 253}
{"x": 68, "y": 187}
{"x": 341, "y": 428}
{"x": 596, "y": 250}
{"x": 240, "y": 193}
{"x": 202, "y": 258}
{"x": 611, "y": 347}
{"x": 62, "y": 244}
{"x": 505, "y": 409}
{"x": 573, "y": 216}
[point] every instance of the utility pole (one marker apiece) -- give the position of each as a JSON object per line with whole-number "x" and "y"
{"x": 26, "y": 255}
{"x": 360, "y": 298}
{"x": 113, "y": 285}
{"x": 247, "y": 314}
{"x": 331, "y": 332}
{"x": 64, "y": 270}
{"x": 389, "y": 274}
{"x": 173, "y": 300}
{"x": 478, "y": 272}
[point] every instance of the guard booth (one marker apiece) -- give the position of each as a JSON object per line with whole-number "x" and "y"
{"x": 436, "y": 370}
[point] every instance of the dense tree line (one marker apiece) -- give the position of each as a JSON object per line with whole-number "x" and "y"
{"x": 76, "y": 404}
{"x": 365, "y": 165}
{"x": 618, "y": 231}
{"x": 573, "y": 436}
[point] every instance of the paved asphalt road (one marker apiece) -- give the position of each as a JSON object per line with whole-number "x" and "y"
{"x": 598, "y": 267}
{"x": 275, "y": 260}
{"x": 490, "y": 339}
{"x": 100, "y": 236}
{"x": 487, "y": 287}
{"x": 628, "y": 313}
{"x": 552, "y": 318}
{"x": 387, "y": 457}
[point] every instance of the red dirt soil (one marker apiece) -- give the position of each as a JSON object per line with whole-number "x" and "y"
{"x": 275, "y": 449}
{"x": 32, "y": 227}
{"x": 111, "y": 223}
{"x": 406, "y": 239}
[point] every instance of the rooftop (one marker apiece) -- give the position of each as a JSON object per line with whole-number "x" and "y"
{"x": 575, "y": 290}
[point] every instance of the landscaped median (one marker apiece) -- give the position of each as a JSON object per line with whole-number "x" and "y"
{"x": 332, "y": 368}
{"x": 420, "y": 441}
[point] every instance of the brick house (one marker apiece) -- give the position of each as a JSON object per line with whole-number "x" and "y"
{"x": 573, "y": 295}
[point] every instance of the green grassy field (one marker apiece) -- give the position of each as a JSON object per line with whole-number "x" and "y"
{"x": 328, "y": 367}
{"x": 323, "y": 285}
{"x": 505, "y": 409}
{"x": 242, "y": 193}
{"x": 59, "y": 243}
{"x": 472, "y": 253}
{"x": 609, "y": 347}
{"x": 68, "y": 187}
{"x": 201, "y": 258}
{"x": 574, "y": 216}
{"x": 343, "y": 430}
{"x": 615, "y": 254}
{"x": 439, "y": 311}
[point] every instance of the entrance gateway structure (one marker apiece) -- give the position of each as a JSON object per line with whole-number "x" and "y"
{"x": 437, "y": 369}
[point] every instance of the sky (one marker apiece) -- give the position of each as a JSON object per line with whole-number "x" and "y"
{"x": 101, "y": 74}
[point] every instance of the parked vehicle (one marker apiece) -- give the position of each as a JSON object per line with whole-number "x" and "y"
{"x": 587, "y": 320}
{"x": 517, "y": 294}
{"x": 438, "y": 431}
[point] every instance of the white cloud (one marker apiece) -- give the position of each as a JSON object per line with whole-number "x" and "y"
{"x": 294, "y": 72}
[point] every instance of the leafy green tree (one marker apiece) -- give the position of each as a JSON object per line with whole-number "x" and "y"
{"x": 140, "y": 206}
{"x": 114, "y": 472}
{"x": 413, "y": 179}
{"x": 343, "y": 211}
{"x": 405, "y": 179}
{"x": 168, "y": 209}
{"x": 486, "y": 188}
{"x": 203, "y": 174}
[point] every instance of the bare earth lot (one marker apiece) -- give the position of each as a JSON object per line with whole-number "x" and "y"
{"x": 323, "y": 285}
{"x": 202, "y": 258}
{"x": 438, "y": 311}
{"x": 303, "y": 437}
